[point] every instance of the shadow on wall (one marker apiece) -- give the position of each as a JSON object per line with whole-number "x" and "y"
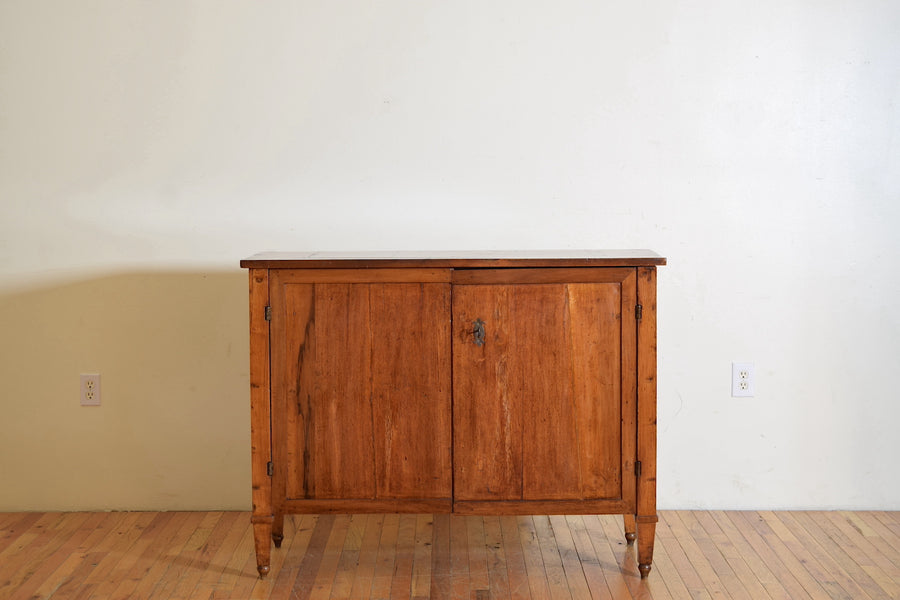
{"x": 172, "y": 432}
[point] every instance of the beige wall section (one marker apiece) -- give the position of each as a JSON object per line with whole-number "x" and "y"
{"x": 756, "y": 145}
{"x": 172, "y": 432}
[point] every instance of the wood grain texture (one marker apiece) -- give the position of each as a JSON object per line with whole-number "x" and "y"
{"x": 546, "y": 275}
{"x": 454, "y": 260}
{"x": 383, "y": 274}
{"x": 538, "y": 408}
{"x": 260, "y": 418}
{"x": 487, "y": 415}
{"x": 550, "y": 414}
{"x": 646, "y": 418}
{"x": 366, "y": 505}
{"x": 411, "y": 386}
{"x": 342, "y": 437}
{"x": 531, "y": 507}
{"x": 700, "y": 554}
{"x": 359, "y": 369}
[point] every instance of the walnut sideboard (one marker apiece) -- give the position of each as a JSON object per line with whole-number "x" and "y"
{"x": 484, "y": 383}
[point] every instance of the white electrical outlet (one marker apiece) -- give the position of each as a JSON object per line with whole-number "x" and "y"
{"x": 90, "y": 389}
{"x": 743, "y": 376}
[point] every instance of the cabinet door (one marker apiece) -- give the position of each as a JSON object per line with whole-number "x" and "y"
{"x": 361, "y": 384}
{"x": 544, "y": 406}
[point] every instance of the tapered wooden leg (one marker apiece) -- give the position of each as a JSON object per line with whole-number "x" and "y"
{"x": 646, "y": 535}
{"x": 630, "y": 529}
{"x": 262, "y": 537}
{"x": 278, "y": 529}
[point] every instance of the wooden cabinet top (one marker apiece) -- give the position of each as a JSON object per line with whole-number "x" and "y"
{"x": 444, "y": 259}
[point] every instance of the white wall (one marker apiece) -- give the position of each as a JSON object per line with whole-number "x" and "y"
{"x": 756, "y": 145}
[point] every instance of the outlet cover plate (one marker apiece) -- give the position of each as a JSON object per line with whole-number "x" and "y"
{"x": 743, "y": 380}
{"x": 90, "y": 389}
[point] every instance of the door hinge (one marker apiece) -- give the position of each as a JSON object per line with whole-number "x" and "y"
{"x": 638, "y": 312}
{"x": 270, "y": 468}
{"x": 637, "y": 468}
{"x": 268, "y": 313}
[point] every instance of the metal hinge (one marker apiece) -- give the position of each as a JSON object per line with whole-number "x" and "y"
{"x": 268, "y": 313}
{"x": 270, "y": 468}
{"x": 637, "y": 468}
{"x": 638, "y": 312}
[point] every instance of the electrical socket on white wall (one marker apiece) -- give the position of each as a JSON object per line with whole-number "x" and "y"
{"x": 90, "y": 389}
{"x": 743, "y": 380}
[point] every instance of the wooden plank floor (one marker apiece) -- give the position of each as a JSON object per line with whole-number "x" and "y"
{"x": 747, "y": 555}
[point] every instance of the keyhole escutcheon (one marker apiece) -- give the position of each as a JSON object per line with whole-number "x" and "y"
{"x": 478, "y": 332}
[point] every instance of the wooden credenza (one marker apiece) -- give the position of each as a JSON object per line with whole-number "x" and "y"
{"x": 490, "y": 383}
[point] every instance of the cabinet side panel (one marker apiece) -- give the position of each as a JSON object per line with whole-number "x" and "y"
{"x": 411, "y": 389}
{"x": 487, "y": 416}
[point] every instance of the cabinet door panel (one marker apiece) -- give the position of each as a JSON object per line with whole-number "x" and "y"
{"x": 487, "y": 415}
{"x": 361, "y": 373}
{"x": 411, "y": 390}
{"x": 572, "y": 392}
{"x": 540, "y": 407}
